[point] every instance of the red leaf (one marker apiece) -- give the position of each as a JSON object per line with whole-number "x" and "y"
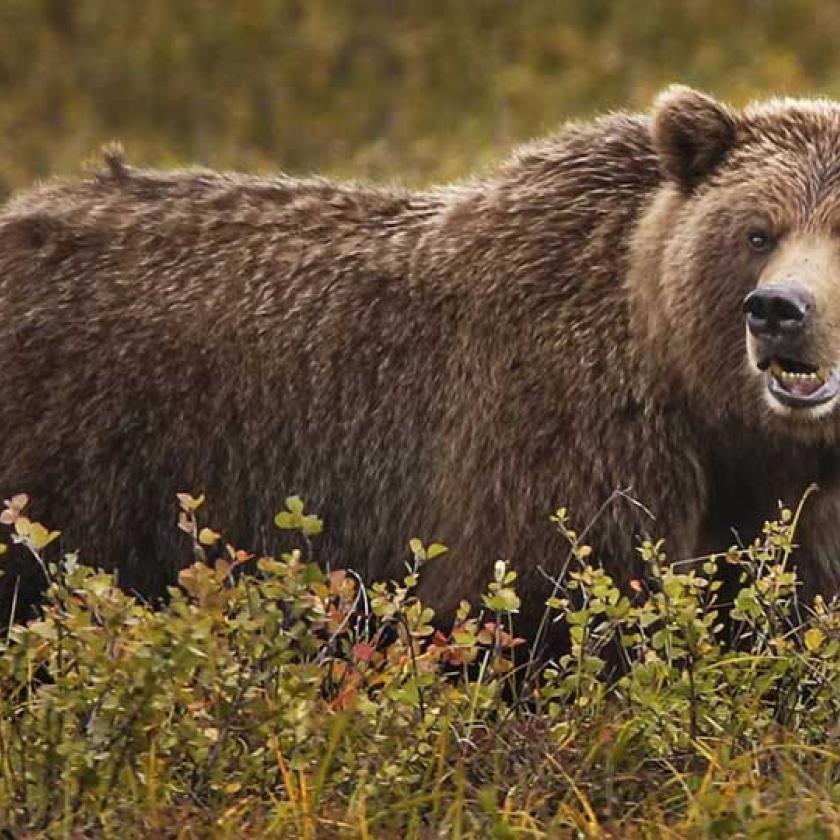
{"x": 363, "y": 651}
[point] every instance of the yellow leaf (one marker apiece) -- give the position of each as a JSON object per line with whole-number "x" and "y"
{"x": 3, "y": 548}
{"x": 39, "y": 536}
{"x": 207, "y": 536}
{"x": 190, "y": 503}
{"x": 23, "y": 526}
{"x": 814, "y": 639}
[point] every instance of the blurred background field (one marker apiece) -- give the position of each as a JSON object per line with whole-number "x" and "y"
{"x": 408, "y": 90}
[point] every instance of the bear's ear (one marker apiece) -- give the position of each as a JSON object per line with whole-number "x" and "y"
{"x": 691, "y": 134}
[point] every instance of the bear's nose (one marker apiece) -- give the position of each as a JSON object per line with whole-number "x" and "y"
{"x": 779, "y": 311}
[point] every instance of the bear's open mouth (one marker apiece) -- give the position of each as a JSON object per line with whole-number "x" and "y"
{"x": 798, "y": 384}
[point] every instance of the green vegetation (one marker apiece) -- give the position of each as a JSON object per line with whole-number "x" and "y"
{"x": 289, "y": 701}
{"x": 417, "y": 90}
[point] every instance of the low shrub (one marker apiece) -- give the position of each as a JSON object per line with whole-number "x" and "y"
{"x": 294, "y": 701}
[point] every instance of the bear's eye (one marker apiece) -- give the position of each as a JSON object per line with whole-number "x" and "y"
{"x": 760, "y": 241}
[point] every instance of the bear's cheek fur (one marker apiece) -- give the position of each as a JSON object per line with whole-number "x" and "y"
{"x": 706, "y": 272}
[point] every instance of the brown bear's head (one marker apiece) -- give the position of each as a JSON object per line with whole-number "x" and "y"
{"x": 747, "y": 230}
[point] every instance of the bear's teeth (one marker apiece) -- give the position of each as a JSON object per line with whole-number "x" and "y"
{"x": 793, "y": 376}
{"x": 798, "y": 376}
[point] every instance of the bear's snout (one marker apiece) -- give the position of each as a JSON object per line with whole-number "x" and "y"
{"x": 784, "y": 349}
{"x": 779, "y": 312}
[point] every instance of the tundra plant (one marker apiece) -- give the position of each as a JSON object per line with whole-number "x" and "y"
{"x": 282, "y": 696}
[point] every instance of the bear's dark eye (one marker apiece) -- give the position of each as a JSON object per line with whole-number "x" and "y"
{"x": 760, "y": 241}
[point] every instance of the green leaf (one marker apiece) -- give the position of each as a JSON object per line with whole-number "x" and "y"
{"x": 435, "y": 550}
{"x": 463, "y": 637}
{"x": 660, "y": 639}
{"x": 312, "y": 573}
{"x": 286, "y": 520}
{"x": 504, "y": 600}
{"x": 312, "y": 525}
{"x": 409, "y": 694}
{"x": 295, "y": 504}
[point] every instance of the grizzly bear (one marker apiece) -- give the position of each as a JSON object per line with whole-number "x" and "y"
{"x": 646, "y": 302}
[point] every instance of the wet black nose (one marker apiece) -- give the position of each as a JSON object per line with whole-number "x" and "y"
{"x": 779, "y": 311}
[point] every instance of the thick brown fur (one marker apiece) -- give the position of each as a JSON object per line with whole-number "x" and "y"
{"x": 452, "y": 364}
